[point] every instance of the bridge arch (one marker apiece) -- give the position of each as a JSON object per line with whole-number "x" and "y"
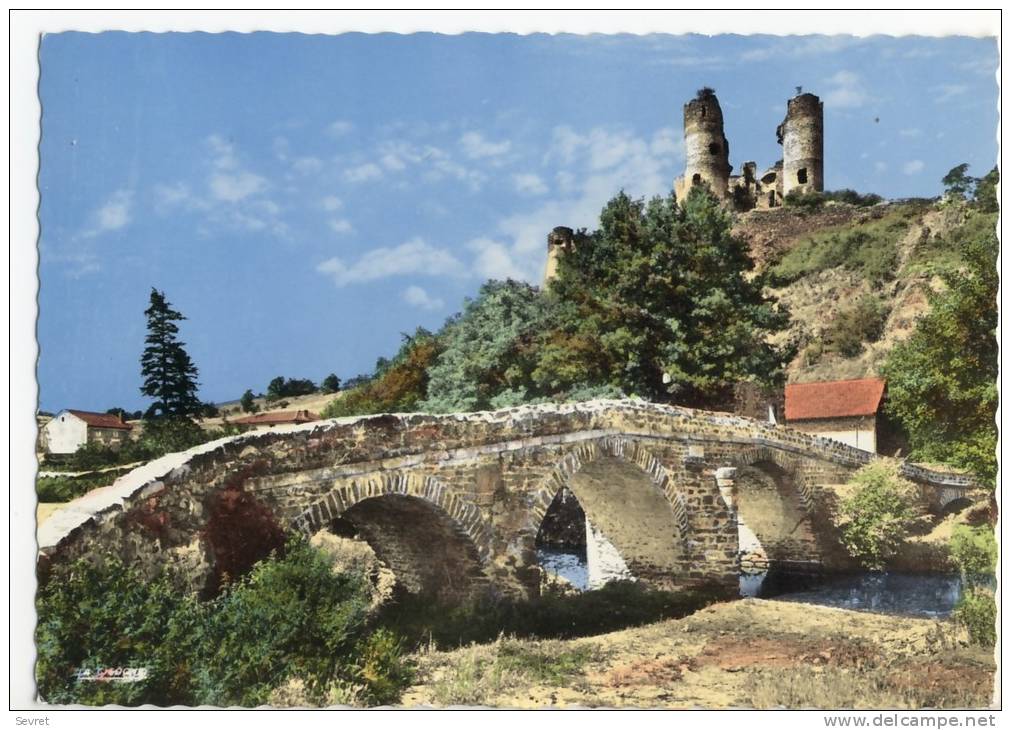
{"x": 465, "y": 515}
{"x": 435, "y": 541}
{"x": 638, "y": 521}
{"x": 775, "y": 511}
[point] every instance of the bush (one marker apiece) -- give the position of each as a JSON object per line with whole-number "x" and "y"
{"x": 804, "y": 201}
{"x": 66, "y": 488}
{"x": 977, "y": 612}
{"x": 875, "y": 519}
{"x": 104, "y": 615}
{"x": 974, "y": 550}
{"x": 856, "y": 325}
{"x": 290, "y": 620}
{"x": 852, "y": 197}
{"x": 400, "y": 385}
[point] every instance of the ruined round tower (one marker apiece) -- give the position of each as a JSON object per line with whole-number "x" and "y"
{"x": 560, "y": 242}
{"x": 802, "y": 137}
{"x": 707, "y": 152}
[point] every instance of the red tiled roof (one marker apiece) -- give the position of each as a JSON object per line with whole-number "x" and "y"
{"x": 837, "y": 399}
{"x": 101, "y": 420}
{"x": 276, "y": 418}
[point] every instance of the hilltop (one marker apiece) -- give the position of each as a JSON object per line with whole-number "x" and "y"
{"x": 855, "y": 279}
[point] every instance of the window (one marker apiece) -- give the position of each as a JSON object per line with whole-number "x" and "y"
{"x": 714, "y": 148}
{"x": 802, "y": 175}
{"x": 696, "y": 179}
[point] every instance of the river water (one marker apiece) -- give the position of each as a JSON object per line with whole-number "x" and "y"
{"x": 909, "y": 594}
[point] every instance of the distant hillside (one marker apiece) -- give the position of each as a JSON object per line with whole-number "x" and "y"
{"x": 855, "y": 279}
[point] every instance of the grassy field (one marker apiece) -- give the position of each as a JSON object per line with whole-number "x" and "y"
{"x": 749, "y": 653}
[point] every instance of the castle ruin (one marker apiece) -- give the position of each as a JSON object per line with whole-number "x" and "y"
{"x": 707, "y": 155}
{"x": 707, "y": 162}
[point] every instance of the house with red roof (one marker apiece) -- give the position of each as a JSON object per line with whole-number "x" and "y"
{"x": 844, "y": 410}
{"x": 71, "y": 429}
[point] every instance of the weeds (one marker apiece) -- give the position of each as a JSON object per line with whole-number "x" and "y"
{"x": 480, "y": 674}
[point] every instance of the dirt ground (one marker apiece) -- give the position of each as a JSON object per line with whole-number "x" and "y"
{"x": 748, "y": 653}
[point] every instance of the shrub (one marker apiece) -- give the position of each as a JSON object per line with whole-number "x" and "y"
{"x": 852, "y": 197}
{"x": 382, "y": 668}
{"x": 66, "y": 488}
{"x": 977, "y": 612}
{"x": 875, "y": 519}
{"x": 804, "y": 201}
{"x": 856, "y": 325}
{"x": 291, "y": 629}
{"x": 974, "y": 550}
{"x": 102, "y": 615}
{"x": 399, "y": 387}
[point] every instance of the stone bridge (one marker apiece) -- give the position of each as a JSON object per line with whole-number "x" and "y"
{"x": 453, "y": 503}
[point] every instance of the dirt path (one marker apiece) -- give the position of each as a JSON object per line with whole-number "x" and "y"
{"x": 748, "y": 653}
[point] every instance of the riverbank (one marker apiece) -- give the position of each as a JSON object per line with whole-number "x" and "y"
{"x": 748, "y": 653}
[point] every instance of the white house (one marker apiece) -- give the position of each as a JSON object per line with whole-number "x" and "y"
{"x": 69, "y": 430}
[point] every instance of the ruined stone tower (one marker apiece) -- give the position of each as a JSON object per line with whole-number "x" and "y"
{"x": 707, "y": 152}
{"x": 802, "y": 137}
{"x": 559, "y": 243}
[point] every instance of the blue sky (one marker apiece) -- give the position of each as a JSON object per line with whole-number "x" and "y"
{"x": 305, "y": 199}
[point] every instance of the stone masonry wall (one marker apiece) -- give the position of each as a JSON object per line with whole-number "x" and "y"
{"x": 492, "y": 475}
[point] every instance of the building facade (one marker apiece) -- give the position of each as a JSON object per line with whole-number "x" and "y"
{"x": 69, "y": 430}
{"x": 844, "y": 410}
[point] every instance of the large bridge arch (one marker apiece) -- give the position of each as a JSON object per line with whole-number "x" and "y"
{"x": 631, "y": 502}
{"x": 435, "y": 541}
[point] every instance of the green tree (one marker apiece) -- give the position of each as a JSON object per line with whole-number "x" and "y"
{"x": 275, "y": 389}
{"x": 942, "y": 381}
{"x": 331, "y": 383}
{"x": 169, "y": 374}
{"x": 247, "y": 404}
{"x": 400, "y": 386}
{"x": 489, "y": 350}
{"x": 958, "y": 183}
{"x": 657, "y": 303}
{"x": 875, "y": 519}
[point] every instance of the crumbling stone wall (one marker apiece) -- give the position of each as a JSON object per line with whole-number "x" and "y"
{"x": 479, "y": 484}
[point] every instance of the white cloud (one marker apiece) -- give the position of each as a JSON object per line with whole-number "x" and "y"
{"x": 224, "y": 152}
{"x": 111, "y": 215}
{"x": 496, "y": 260}
{"x": 363, "y": 173}
{"x": 168, "y": 195}
{"x": 341, "y": 226}
{"x": 332, "y": 202}
{"x": 913, "y": 167}
{"x": 414, "y": 257}
{"x": 880, "y": 167}
{"x": 529, "y": 184}
{"x": 793, "y": 47}
{"x": 911, "y": 132}
{"x": 418, "y": 297}
{"x": 307, "y": 165}
{"x": 592, "y": 166}
{"x": 475, "y": 146}
{"x": 846, "y": 91}
{"x": 233, "y": 187}
{"x": 947, "y": 92}
{"x": 339, "y": 128}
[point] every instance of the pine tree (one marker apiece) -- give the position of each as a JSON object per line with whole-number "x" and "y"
{"x": 169, "y": 374}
